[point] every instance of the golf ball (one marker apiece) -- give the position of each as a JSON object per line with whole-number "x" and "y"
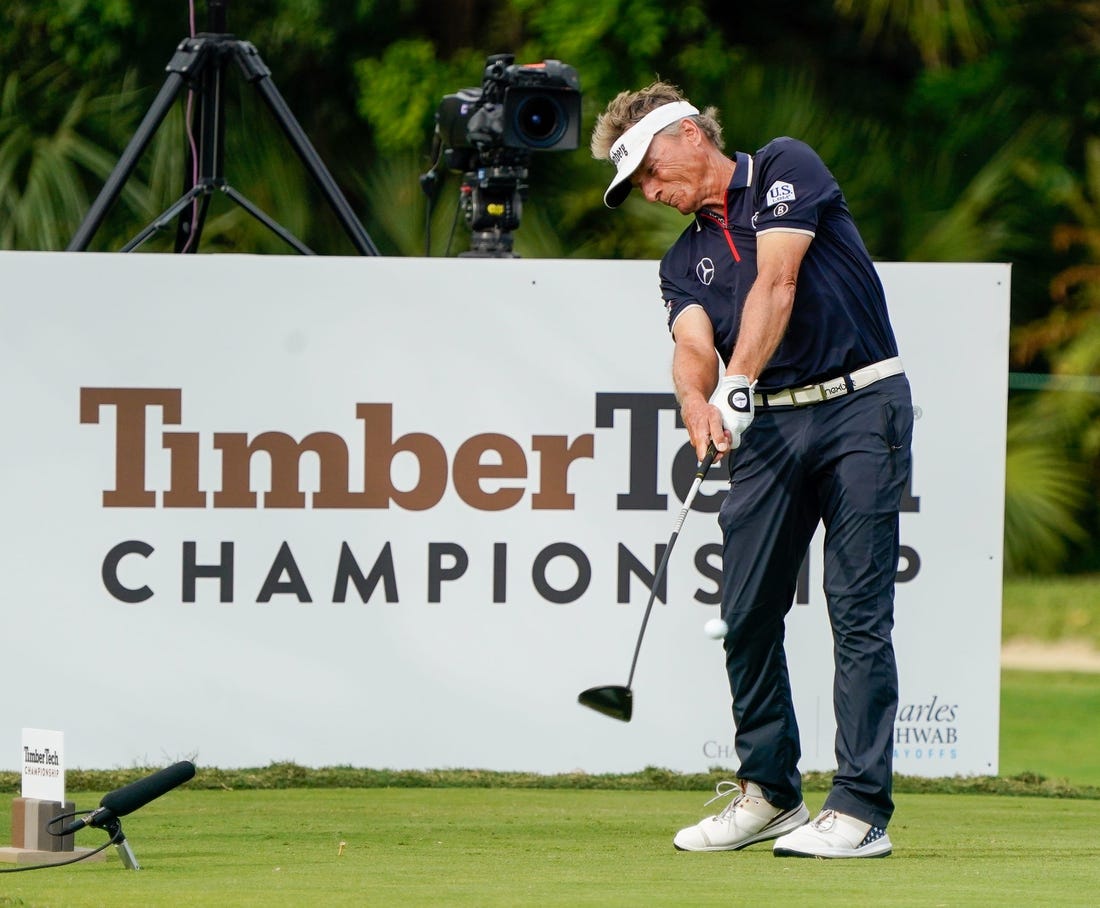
{"x": 716, "y": 628}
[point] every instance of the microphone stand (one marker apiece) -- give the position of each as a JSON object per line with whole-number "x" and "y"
{"x": 118, "y": 838}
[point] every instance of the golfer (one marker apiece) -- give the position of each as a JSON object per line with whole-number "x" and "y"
{"x": 785, "y": 357}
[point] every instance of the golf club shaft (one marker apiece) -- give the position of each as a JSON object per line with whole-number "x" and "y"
{"x": 700, "y": 473}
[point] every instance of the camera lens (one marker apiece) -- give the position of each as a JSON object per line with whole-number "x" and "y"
{"x": 539, "y": 120}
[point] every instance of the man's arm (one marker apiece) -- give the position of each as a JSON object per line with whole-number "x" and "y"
{"x": 769, "y": 301}
{"x": 694, "y": 376}
{"x": 764, "y": 319}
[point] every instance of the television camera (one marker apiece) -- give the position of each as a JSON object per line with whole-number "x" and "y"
{"x": 488, "y": 134}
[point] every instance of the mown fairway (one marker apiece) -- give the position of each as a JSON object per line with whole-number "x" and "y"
{"x": 536, "y": 847}
{"x": 203, "y": 844}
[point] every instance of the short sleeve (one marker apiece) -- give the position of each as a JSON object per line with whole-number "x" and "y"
{"x": 676, "y": 297}
{"x": 792, "y": 188}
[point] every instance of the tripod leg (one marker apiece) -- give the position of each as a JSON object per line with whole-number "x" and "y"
{"x": 278, "y": 229}
{"x": 256, "y": 71}
{"x": 200, "y": 190}
{"x": 125, "y": 166}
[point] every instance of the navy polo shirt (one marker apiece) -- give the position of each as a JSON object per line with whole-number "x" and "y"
{"x": 839, "y": 321}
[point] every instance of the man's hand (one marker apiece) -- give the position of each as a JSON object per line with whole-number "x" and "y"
{"x": 733, "y": 398}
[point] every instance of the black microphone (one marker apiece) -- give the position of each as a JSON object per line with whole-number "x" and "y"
{"x": 96, "y": 818}
{"x": 130, "y": 797}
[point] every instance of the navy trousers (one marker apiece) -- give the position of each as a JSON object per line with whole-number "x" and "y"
{"x": 844, "y": 462}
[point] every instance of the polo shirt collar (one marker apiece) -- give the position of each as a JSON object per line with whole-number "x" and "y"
{"x": 742, "y": 174}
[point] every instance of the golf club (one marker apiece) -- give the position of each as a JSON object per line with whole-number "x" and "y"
{"x": 613, "y": 700}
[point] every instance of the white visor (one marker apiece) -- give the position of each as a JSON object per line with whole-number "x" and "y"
{"x": 627, "y": 153}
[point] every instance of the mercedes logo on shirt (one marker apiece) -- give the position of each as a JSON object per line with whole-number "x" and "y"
{"x": 705, "y": 270}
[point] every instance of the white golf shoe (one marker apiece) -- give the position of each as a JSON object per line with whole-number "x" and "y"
{"x": 834, "y": 835}
{"x": 746, "y": 819}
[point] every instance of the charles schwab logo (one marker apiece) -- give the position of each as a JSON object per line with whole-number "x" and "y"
{"x": 927, "y": 731}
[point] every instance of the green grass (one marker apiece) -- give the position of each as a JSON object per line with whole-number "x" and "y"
{"x": 271, "y": 836}
{"x": 536, "y": 847}
{"x": 1050, "y": 725}
{"x": 1052, "y": 608}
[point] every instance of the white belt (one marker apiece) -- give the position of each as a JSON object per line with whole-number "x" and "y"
{"x": 834, "y": 387}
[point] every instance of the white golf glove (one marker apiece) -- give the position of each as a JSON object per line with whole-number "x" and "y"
{"x": 733, "y": 398}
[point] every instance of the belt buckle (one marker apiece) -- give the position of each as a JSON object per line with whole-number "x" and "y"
{"x": 804, "y": 396}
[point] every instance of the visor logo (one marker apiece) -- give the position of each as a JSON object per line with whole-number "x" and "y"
{"x": 618, "y": 153}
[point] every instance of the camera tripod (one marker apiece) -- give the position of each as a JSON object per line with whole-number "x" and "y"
{"x": 492, "y": 201}
{"x": 200, "y": 62}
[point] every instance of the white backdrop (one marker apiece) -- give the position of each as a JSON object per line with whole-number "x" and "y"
{"x": 476, "y": 362}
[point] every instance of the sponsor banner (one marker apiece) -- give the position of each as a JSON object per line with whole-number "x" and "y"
{"x": 400, "y": 512}
{"x": 43, "y": 765}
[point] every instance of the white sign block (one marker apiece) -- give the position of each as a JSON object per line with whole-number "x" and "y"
{"x": 44, "y": 765}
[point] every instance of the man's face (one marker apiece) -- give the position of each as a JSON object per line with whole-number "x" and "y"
{"x": 672, "y": 173}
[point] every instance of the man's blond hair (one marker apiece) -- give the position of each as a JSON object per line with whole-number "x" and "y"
{"x": 628, "y": 107}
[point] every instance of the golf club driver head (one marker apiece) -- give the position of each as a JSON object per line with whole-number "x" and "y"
{"x": 613, "y": 700}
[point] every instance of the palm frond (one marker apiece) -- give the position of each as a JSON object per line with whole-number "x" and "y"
{"x": 1044, "y": 495}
